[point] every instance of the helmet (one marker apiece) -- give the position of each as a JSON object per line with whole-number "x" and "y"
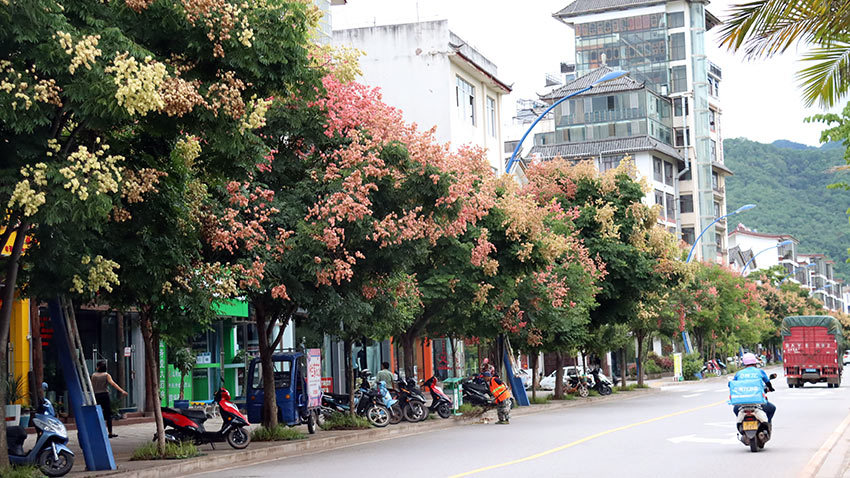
{"x": 749, "y": 359}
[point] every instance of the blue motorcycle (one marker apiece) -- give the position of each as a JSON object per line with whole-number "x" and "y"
{"x": 392, "y": 404}
{"x": 51, "y": 453}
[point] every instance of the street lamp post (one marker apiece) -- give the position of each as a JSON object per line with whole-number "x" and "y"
{"x": 783, "y": 243}
{"x": 611, "y": 75}
{"x": 741, "y": 209}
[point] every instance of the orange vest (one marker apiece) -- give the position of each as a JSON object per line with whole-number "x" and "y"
{"x": 500, "y": 392}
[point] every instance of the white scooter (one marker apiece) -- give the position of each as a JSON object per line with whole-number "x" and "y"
{"x": 754, "y": 429}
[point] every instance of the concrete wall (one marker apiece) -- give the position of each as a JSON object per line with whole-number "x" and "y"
{"x": 409, "y": 63}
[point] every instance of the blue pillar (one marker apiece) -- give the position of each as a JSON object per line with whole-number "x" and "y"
{"x": 91, "y": 428}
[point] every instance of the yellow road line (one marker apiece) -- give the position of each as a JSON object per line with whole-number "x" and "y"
{"x": 585, "y": 439}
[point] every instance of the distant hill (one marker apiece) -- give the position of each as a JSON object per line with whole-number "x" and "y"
{"x": 788, "y": 181}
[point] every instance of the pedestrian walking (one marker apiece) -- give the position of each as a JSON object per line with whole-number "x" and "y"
{"x": 100, "y": 381}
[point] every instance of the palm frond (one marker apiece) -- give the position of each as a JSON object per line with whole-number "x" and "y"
{"x": 828, "y": 77}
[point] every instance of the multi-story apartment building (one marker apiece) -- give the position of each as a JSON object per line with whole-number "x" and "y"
{"x": 814, "y": 272}
{"x": 437, "y": 79}
{"x": 324, "y": 34}
{"x": 662, "y": 46}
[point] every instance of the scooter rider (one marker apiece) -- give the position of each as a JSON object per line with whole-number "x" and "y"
{"x": 750, "y": 372}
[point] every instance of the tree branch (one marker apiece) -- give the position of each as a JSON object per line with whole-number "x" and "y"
{"x": 71, "y": 136}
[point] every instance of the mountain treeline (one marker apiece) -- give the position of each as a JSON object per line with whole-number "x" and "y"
{"x": 788, "y": 181}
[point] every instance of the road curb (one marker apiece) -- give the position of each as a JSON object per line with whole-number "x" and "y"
{"x": 816, "y": 462}
{"x": 314, "y": 445}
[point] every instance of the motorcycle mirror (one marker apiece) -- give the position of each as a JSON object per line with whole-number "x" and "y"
{"x": 772, "y": 376}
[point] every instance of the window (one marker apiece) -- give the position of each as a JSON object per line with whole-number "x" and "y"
{"x": 679, "y": 79}
{"x": 671, "y": 207}
{"x": 688, "y": 235}
{"x": 677, "y": 46}
{"x": 712, "y": 117}
{"x": 682, "y": 137}
{"x": 717, "y": 209}
{"x": 609, "y": 162}
{"x": 676, "y": 20}
{"x": 658, "y": 169}
{"x": 659, "y": 198}
{"x": 510, "y": 146}
{"x": 668, "y": 173}
{"x": 686, "y": 176}
{"x": 680, "y": 106}
{"x": 491, "y": 116}
{"x": 686, "y": 203}
{"x": 713, "y": 150}
{"x": 715, "y": 181}
{"x": 465, "y": 96}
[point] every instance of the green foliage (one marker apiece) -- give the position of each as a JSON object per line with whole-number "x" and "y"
{"x": 790, "y": 187}
{"x": 14, "y": 388}
{"x": 345, "y": 421}
{"x": 470, "y": 410}
{"x": 173, "y": 451}
{"x": 20, "y": 472}
{"x": 278, "y": 433}
{"x": 540, "y": 400}
{"x": 650, "y": 366}
{"x": 691, "y": 365}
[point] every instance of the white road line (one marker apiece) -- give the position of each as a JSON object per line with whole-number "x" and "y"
{"x": 819, "y": 457}
{"x": 691, "y": 395}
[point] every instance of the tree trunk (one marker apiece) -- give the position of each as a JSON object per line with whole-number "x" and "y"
{"x": 37, "y": 354}
{"x": 606, "y": 365}
{"x": 182, "y": 382}
{"x": 559, "y": 375}
{"x": 639, "y": 371}
{"x": 409, "y": 355}
{"x": 120, "y": 344}
{"x": 349, "y": 374}
{"x": 624, "y": 368}
{"x": 8, "y": 297}
{"x": 535, "y": 357}
{"x": 152, "y": 364}
{"x": 269, "y": 394}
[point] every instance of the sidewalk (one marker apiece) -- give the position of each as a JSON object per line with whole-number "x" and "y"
{"x": 131, "y": 437}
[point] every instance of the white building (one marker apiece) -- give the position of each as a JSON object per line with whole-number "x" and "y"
{"x": 745, "y": 243}
{"x": 436, "y": 79}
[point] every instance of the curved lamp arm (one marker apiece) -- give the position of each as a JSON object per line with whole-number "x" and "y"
{"x": 741, "y": 209}
{"x": 783, "y": 243}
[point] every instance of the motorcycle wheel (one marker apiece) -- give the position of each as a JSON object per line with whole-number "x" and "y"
{"x": 604, "y": 389}
{"x": 378, "y": 415}
{"x": 583, "y": 392}
{"x": 311, "y": 422}
{"x": 396, "y": 414}
{"x": 320, "y": 417}
{"x": 53, "y": 467}
{"x": 754, "y": 444}
{"x": 414, "y": 412}
{"x": 238, "y": 438}
{"x": 443, "y": 410}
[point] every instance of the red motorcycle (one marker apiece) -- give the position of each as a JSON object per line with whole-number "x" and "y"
{"x": 188, "y": 425}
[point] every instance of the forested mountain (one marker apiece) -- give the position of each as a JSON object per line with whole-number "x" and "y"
{"x": 788, "y": 181}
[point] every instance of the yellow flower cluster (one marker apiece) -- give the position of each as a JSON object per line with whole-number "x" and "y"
{"x": 257, "y": 117}
{"x": 92, "y": 172}
{"x": 25, "y": 195}
{"x": 15, "y": 84}
{"x": 83, "y": 53}
{"x": 101, "y": 275}
{"x": 245, "y": 37}
{"x": 136, "y": 184}
{"x": 138, "y": 83}
{"x": 188, "y": 148}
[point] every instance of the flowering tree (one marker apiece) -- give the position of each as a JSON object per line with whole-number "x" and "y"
{"x": 104, "y": 105}
{"x": 345, "y": 200}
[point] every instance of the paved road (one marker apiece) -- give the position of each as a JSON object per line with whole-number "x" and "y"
{"x": 683, "y": 430}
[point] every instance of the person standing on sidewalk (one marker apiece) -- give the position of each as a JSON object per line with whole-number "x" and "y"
{"x": 386, "y": 376}
{"x": 502, "y": 397}
{"x": 100, "y": 381}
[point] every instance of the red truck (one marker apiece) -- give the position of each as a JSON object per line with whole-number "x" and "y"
{"x": 811, "y": 346}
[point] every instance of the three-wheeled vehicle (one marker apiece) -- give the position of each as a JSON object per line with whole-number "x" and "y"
{"x": 290, "y": 383}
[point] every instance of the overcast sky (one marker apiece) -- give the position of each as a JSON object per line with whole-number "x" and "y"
{"x": 760, "y": 100}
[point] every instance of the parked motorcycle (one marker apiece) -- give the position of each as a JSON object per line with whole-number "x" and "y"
{"x": 368, "y": 403}
{"x": 393, "y": 404}
{"x": 602, "y": 385}
{"x": 188, "y": 425}
{"x": 440, "y": 402}
{"x": 715, "y": 367}
{"x": 578, "y": 384}
{"x": 412, "y": 400}
{"x": 754, "y": 429}
{"x": 50, "y": 453}
{"x": 476, "y": 392}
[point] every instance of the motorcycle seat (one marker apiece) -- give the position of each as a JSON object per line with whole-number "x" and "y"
{"x": 198, "y": 416}
{"x": 15, "y": 438}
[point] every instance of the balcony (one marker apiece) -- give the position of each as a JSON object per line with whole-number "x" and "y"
{"x": 719, "y": 191}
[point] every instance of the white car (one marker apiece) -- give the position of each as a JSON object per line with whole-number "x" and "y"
{"x": 525, "y": 376}
{"x": 548, "y": 382}
{"x": 846, "y": 359}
